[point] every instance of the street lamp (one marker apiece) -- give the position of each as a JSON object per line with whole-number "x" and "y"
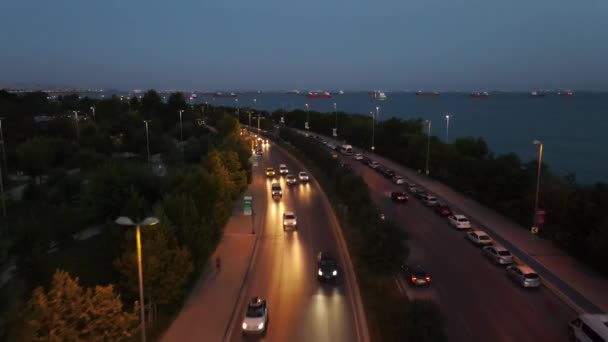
{"x": 447, "y": 128}
{"x": 540, "y": 160}
{"x": 181, "y": 130}
{"x": 1, "y": 169}
{"x": 147, "y": 139}
{"x": 150, "y": 221}
{"x": 93, "y": 109}
{"x": 336, "y": 111}
{"x": 307, "y": 126}
{"x": 373, "y": 130}
{"x": 76, "y": 119}
{"x": 237, "y": 105}
{"x": 428, "y": 146}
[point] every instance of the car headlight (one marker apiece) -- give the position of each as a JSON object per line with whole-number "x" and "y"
{"x": 334, "y": 273}
{"x": 261, "y": 325}
{"x": 244, "y": 325}
{"x": 320, "y": 272}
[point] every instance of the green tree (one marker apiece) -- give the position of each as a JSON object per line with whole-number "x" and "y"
{"x": 166, "y": 265}
{"x": 35, "y": 156}
{"x": 69, "y": 312}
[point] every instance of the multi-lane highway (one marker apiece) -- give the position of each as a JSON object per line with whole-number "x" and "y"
{"x": 477, "y": 299}
{"x": 284, "y": 266}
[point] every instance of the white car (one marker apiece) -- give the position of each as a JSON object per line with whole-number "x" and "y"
{"x": 256, "y": 316}
{"x": 459, "y": 221}
{"x": 398, "y": 179}
{"x": 429, "y": 200}
{"x": 524, "y": 275}
{"x": 480, "y": 238}
{"x": 498, "y": 254}
{"x": 374, "y": 164}
{"x": 358, "y": 156}
{"x": 283, "y": 170}
{"x": 303, "y": 176}
{"x": 291, "y": 179}
{"x": 290, "y": 220}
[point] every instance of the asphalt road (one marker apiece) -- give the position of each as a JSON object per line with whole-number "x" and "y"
{"x": 478, "y": 300}
{"x": 284, "y": 268}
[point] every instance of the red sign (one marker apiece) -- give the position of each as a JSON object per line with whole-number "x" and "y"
{"x": 540, "y": 217}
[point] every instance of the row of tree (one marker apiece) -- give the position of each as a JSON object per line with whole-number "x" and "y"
{"x": 377, "y": 246}
{"x": 575, "y": 219}
{"x": 76, "y": 182}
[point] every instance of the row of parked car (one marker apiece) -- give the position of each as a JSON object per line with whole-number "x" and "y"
{"x": 499, "y": 255}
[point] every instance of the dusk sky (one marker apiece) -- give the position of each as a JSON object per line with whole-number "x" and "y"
{"x": 311, "y": 44}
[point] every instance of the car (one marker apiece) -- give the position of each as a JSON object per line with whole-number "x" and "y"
{"x": 420, "y": 194}
{"x": 283, "y": 170}
{"x": 334, "y": 155}
{"x": 291, "y": 179}
{"x": 416, "y": 275}
{"x": 327, "y": 267}
{"x": 397, "y": 179}
{"x": 365, "y": 161}
{"x": 388, "y": 173}
{"x": 429, "y": 200}
{"x": 480, "y": 238}
{"x": 290, "y": 220}
{"x": 303, "y": 176}
{"x": 459, "y": 221}
{"x": 270, "y": 172}
{"x": 412, "y": 188}
{"x": 399, "y": 196}
{"x": 589, "y": 327}
{"x": 358, "y": 156}
{"x": 523, "y": 275}
{"x": 498, "y": 254}
{"x": 276, "y": 191}
{"x": 256, "y": 316}
{"x": 374, "y": 164}
{"x": 346, "y": 167}
{"x": 258, "y": 152}
{"x": 442, "y": 209}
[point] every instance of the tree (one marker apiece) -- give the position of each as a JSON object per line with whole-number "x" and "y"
{"x": 166, "y": 265}
{"x": 69, "y": 312}
{"x": 36, "y": 156}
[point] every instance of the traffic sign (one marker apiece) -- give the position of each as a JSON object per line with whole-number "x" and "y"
{"x": 282, "y": 119}
{"x": 306, "y": 125}
{"x": 335, "y": 132}
{"x": 248, "y": 205}
{"x": 534, "y": 230}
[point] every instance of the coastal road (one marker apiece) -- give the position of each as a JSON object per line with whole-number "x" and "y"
{"x": 477, "y": 299}
{"x": 284, "y": 269}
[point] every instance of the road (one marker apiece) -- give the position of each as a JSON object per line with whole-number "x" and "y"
{"x": 477, "y": 299}
{"x": 284, "y": 269}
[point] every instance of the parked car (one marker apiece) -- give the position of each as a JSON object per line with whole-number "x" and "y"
{"x": 412, "y": 188}
{"x": 589, "y": 327}
{"x": 459, "y": 221}
{"x": 498, "y": 254}
{"x": 374, "y": 164}
{"x": 416, "y": 275}
{"x": 399, "y": 196}
{"x": 479, "y": 238}
{"x": 397, "y": 179}
{"x": 346, "y": 167}
{"x": 388, "y": 173}
{"x": 358, "y": 156}
{"x": 420, "y": 194}
{"x": 365, "y": 161}
{"x": 523, "y": 275}
{"x": 443, "y": 209}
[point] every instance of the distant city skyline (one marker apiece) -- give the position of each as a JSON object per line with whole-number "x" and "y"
{"x": 460, "y": 45}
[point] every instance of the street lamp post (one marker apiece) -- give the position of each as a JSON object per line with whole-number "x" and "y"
{"x": 181, "y": 130}
{"x": 307, "y": 126}
{"x": 4, "y": 165}
{"x": 447, "y": 128}
{"x": 258, "y": 124}
{"x": 237, "y": 105}
{"x": 540, "y": 160}
{"x": 1, "y": 169}
{"x": 93, "y": 109}
{"x": 150, "y": 221}
{"x": 336, "y": 111}
{"x": 76, "y": 118}
{"x": 428, "y": 146}
{"x": 147, "y": 139}
{"x": 373, "y": 130}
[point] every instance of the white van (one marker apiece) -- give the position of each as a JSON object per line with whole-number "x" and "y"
{"x": 346, "y": 150}
{"x": 589, "y": 327}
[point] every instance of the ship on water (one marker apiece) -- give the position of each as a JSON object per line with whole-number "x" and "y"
{"x": 537, "y": 93}
{"x": 340, "y": 92}
{"x": 377, "y": 95}
{"x": 220, "y": 94}
{"x": 565, "y": 93}
{"x": 318, "y": 95}
{"x": 477, "y": 94}
{"x": 293, "y": 92}
{"x": 427, "y": 93}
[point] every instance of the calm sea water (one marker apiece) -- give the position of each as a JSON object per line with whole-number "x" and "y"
{"x": 573, "y": 129}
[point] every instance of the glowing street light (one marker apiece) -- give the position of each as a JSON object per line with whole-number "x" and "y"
{"x": 428, "y": 146}
{"x": 540, "y": 160}
{"x": 447, "y": 128}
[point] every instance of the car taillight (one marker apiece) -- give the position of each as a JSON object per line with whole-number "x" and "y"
{"x": 413, "y": 278}
{"x": 428, "y": 279}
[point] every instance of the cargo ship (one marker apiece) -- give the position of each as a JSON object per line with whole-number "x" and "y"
{"x": 378, "y": 95}
{"x": 477, "y": 94}
{"x": 220, "y": 94}
{"x": 427, "y": 93}
{"x": 538, "y": 93}
{"x": 565, "y": 93}
{"x": 318, "y": 95}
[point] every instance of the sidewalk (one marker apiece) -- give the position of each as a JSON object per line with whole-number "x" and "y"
{"x": 580, "y": 287}
{"x": 207, "y": 313}
{"x": 580, "y": 284}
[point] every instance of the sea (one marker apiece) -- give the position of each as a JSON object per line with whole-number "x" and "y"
{"x": 572, "y": 128}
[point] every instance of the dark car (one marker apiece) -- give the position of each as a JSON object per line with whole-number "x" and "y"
{"x": 416, "y": 275}
{"x": 420, "y": 194}
{"x": 365, "y": 161}
{"x": 443, "y": 209}
{"x": 399, "y": 196}
{"x": 327, "y": 267}
{"x": 388, "y": 173}
{"x": 346, "y": 167}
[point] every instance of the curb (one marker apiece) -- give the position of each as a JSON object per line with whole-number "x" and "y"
{"x": 353, "y": 286}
